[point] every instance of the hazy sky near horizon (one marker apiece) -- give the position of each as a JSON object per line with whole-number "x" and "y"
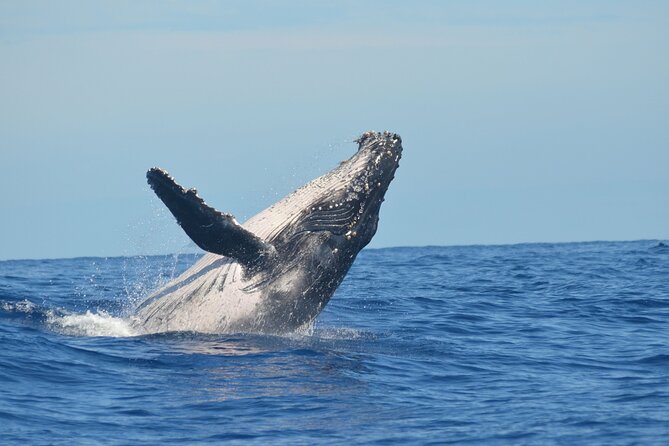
{"x": 522, "y": 121}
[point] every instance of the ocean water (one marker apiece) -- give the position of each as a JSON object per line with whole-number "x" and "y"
{"x": 526, "y": 344}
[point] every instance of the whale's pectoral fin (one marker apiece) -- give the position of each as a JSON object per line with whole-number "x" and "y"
{"x": 210, "y": 229}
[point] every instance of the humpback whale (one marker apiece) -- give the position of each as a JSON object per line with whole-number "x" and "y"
{"x": 276, "y": 272}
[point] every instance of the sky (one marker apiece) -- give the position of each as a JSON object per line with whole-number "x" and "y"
{"x": 521, "y": 121}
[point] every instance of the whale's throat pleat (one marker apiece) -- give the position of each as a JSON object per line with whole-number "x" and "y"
{"x": 329, "y": 216}
{"x": 211, "y": 230}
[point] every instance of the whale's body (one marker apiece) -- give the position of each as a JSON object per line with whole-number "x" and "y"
{"x": 277, "y": 271}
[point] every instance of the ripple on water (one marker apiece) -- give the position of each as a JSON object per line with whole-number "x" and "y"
{"x": 524, "y": 344}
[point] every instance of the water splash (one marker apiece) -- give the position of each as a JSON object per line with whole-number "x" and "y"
{"x": 91, "y": 324}
{"x": 22, "y": 306}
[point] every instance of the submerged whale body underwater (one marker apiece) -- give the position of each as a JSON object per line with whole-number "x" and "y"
{"x": 277, "y": 271}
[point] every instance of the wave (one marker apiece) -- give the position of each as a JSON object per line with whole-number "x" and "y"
{"x": 89, "y": 323}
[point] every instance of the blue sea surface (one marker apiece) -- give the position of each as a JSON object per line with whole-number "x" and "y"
{"x": 524, "y": 344}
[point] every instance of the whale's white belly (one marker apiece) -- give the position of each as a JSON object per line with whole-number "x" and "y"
{"x": 207, "y": 298}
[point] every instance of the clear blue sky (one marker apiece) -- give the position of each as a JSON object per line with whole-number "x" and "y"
{"x": 522, "y": 121}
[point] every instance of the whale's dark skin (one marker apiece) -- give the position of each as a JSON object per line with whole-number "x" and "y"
{"x": 276, "y": 272}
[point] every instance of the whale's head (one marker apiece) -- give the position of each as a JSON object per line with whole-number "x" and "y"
{"x": 339, "y": 211}
{"x": 371, "y": 170}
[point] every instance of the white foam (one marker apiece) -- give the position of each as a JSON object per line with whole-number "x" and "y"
{"x": 92, "y": 324}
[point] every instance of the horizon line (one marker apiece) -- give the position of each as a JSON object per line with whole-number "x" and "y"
{"x": 455, "y": 245}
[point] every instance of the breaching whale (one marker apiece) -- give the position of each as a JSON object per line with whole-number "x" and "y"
{"x": 275, "y": 272}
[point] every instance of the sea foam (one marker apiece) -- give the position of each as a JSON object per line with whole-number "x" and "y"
{"x": 91, "y": 324}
